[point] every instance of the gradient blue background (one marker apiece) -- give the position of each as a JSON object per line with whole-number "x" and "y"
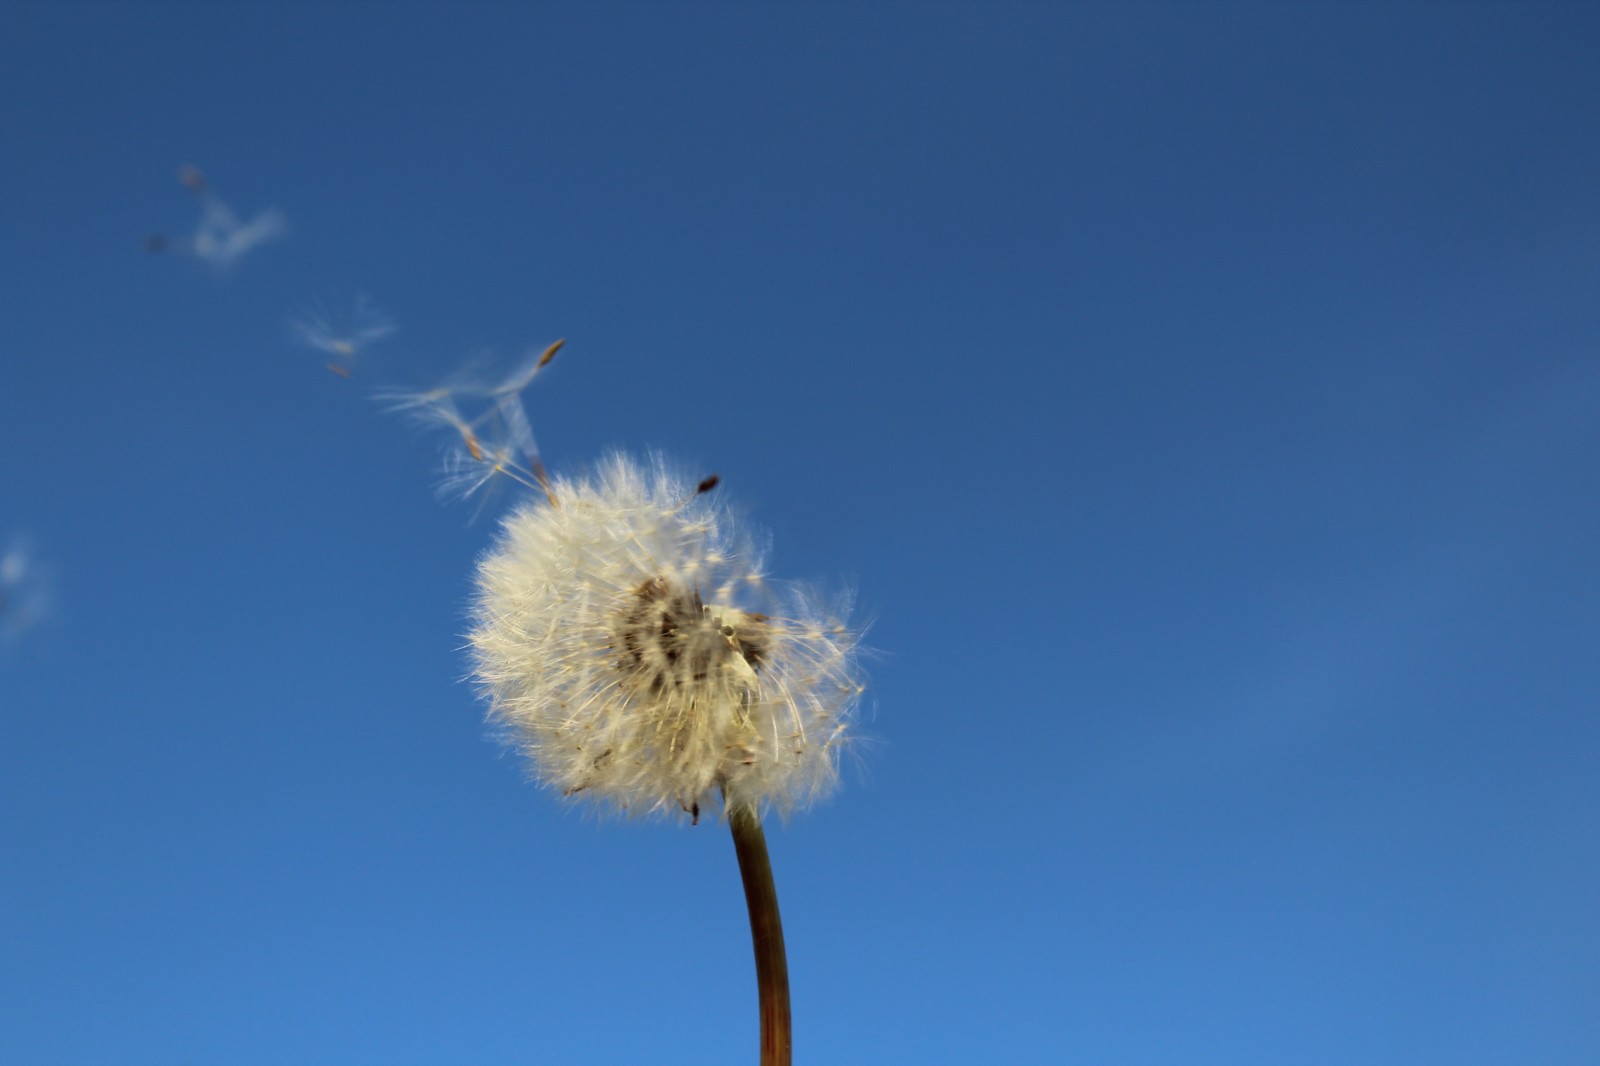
{"x": 1203, "y": 399}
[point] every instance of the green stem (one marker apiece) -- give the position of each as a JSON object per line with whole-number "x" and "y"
{"x": 766, "y": 931}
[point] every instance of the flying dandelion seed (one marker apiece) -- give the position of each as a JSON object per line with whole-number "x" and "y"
{"x": 520, "y": 378}
{"x": 342, "y": 334}
{"x": 487, "y": 454}
{"x": 493, "y": 445}
{"x": 627, "y": 637}
{"x": 222, "y": 237}
{"x": 25, "y": 596}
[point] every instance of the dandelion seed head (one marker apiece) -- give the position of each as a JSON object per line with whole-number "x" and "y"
{"x": 618, "y": 642}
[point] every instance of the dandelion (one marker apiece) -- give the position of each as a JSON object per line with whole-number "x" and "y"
{"x": 628, "y": 640}
{"x": 630, "y": 643}
{"x": 628, "y": 636}
{"x": 342, "y": 334}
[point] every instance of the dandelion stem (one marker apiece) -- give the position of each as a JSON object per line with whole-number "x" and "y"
{"x": 766, "y": 931}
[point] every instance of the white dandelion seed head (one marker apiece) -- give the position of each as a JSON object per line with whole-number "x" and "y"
{"x": 618, "y": 642}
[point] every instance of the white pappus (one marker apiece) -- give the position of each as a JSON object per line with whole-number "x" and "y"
{"x": 628, "y": 640}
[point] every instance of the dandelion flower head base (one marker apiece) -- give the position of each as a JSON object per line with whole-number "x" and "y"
{"x": 619, "y": 643}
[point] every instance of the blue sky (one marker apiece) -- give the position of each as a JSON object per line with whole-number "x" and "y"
{"x": 1200, "y": 397}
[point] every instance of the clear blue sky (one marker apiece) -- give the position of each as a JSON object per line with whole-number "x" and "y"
{"x": 1203, "y": 399}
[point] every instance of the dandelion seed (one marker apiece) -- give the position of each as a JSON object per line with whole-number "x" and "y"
{"x": 342, "y": 334}
{"x": 498, "y": 450}
{"x": 443, "y": 411}
{"x": 612, "y": 641}
{"x": 25, "y": 595}
{"x": 495, "y": 444}
{"x": 509, "y": 414}
{"x": 520, "y": 378}
{"x": 409, "y": 402}
{"x": 222, "y": 237}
